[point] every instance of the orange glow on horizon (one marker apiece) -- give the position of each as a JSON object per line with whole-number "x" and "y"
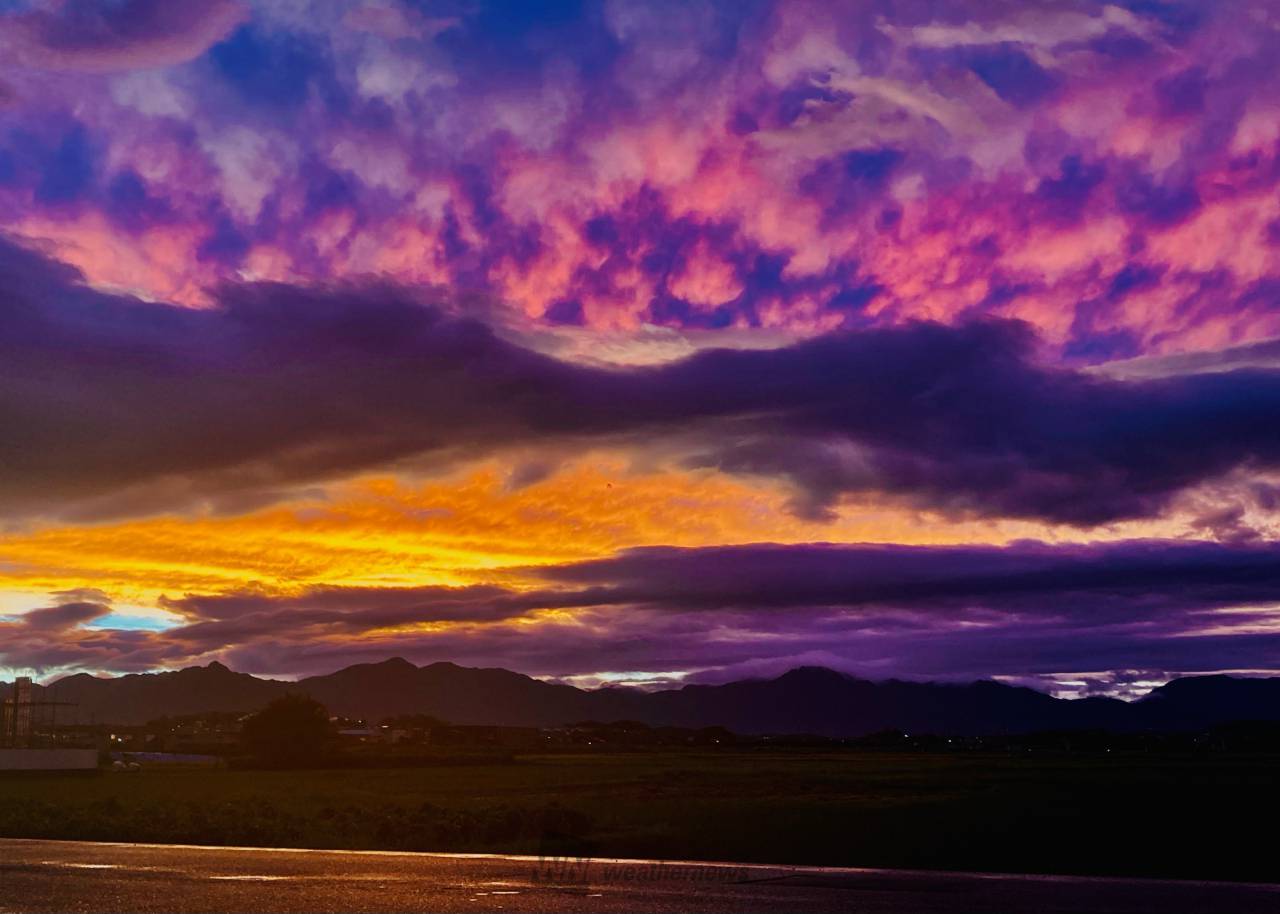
{"x": 462, "y": 529}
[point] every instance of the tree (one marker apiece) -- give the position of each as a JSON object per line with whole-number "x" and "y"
{"x": 292, "y": 730}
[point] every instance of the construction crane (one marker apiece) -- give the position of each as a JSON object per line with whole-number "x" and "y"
{"x": 24, "y": 715}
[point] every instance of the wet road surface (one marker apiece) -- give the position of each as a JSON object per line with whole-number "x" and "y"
{"x": 47, "y": 876}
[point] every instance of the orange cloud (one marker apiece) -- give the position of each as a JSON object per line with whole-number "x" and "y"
{"x": 466, "y": 528}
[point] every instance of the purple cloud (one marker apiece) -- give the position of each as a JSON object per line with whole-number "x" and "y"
{"x": 1025, "y": 610}
{"x": 597, "y": 164}
{"x": 1109, "y": 580}
{"x": 115, "y": 406}
{"x": 108, "y": 37}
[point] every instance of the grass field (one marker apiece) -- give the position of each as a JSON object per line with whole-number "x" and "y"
{"x": 1187, "y": 817}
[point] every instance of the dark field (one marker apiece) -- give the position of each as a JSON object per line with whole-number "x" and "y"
{"x": 1181, "y": 817}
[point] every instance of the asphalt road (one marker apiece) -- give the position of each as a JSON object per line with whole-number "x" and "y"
{"x": 67, "y": 876}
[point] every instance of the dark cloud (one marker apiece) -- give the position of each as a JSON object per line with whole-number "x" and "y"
{"x": 117, "y": 406}
{"x": 371, "y": 607}
{"x": 1109, "y": 581}
{"x": 1025, "y": 610}
{"x": 322, "y": 613}
{"x": 121, "y": 405}
{"x": 64, "y": 616}
{"x": 53, "y": 636}
{"x": 966, "y": 419}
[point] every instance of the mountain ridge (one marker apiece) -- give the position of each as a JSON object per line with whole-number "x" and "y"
{"x": 814, "y": 700}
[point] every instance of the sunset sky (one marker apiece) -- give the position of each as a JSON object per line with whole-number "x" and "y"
{"x": 642, "y": 341}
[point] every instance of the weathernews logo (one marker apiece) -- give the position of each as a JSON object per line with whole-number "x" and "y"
{"x": 561, "y": 870}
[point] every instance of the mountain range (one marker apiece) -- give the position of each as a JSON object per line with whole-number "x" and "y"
{"x": 811, "y": 700}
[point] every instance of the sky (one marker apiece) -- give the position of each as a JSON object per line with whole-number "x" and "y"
{"x": 642, "y": 342}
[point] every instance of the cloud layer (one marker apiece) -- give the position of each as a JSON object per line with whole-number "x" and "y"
{"x": 1026, "y": 611}
{"x": 115, "y": 406}
{"x": 999, "y": 267}
{"x": 1106, "y": 171}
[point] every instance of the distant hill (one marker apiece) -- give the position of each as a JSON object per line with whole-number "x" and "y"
{"x": 139, "y": 697}
{"x": 805, "y": 700}
{"x": 1197, "y": 702}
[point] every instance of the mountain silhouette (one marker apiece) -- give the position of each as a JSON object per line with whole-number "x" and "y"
{"x": 811, "y": 700}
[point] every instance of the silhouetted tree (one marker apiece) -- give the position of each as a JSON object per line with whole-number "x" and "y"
{"x": 292, "y": 730}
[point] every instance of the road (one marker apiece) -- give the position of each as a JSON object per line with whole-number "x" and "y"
{"x": 66, "y": 876}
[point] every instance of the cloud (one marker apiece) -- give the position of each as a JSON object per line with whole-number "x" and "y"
{"x": 795, "y": 166}
{"x": 359, "y": 607}
{"x": 1264, "y": 355}
{"x": 110, "y": 37}
{"x": 63, "y": 616}
{"x": 937, "y": 228}
{"x": 1111, "y": 581}
{"x": 115, "y": 406}
{"x": 1026, "y": 610}
{"x": 52, "y": 636}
